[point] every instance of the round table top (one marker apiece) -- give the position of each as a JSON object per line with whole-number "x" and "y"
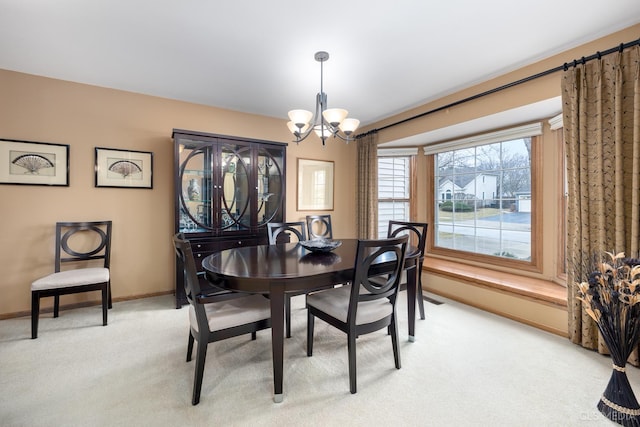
{"x": 257, "y": 268}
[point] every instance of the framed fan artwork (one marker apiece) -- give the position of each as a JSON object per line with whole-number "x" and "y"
{"x": 123, "y": 168}
{"x": 33, "y": 163}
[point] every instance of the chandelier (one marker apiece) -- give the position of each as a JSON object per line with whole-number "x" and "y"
{"x": 325, "y": 122}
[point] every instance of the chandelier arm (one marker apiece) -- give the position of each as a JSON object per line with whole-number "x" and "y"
{"x": 347, "y": 139}
{"x": 314, "y": 119}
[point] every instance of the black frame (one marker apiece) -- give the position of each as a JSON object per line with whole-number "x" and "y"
{"x": 8, "y": 162}
{"x": 134, "y": 159}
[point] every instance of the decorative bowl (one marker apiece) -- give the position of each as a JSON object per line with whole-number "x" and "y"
{"x": 320, "y": 245}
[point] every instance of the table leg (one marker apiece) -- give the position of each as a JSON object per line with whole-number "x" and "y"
{"x": 277, "y": 339}
{"x": 412, "y": 284}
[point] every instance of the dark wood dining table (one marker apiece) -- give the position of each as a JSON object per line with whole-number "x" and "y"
{"x": 275, "y": 270}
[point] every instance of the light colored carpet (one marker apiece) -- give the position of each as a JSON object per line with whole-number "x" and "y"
{"x": 466, "y": 367}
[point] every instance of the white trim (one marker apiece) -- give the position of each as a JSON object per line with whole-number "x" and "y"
{"x": 556, "y": 122}
{"x": 396, "y": 152}
{"x": 524, "y": 131}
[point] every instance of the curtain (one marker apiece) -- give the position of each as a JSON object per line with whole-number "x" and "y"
{"x": 367, "y": 191}
{"x": 601, "y": 115}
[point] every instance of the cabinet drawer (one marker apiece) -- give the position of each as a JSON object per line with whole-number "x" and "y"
{"x": 236, "y": 243}
{"x": 204, "y": 246}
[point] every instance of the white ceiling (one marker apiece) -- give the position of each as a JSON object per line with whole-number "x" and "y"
{"x": 258, "y": 56}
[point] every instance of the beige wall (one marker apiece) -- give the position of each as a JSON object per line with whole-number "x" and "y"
{"x": 84, "y": 117}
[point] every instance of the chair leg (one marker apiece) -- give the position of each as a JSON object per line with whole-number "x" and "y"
{"x": 394, "y": 341}
{"x": 35, "y": 313}
{"x": 197, "y": 381}
{"x": 56, "y": 306}
{"x": 351, "y": 349}
{"x": 287, "y": 314}
{"x": 253, "y": 336}
{"x": 419, "y": 293}
{"x": 190, "y": 347}
{"x": 310, "y": 322}
{"x": 109, "y": 287}
{"x": 105, "y": 297}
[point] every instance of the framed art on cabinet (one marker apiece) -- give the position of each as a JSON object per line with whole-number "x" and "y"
{"x": 33, "y": 163}
{"x": 123, "y": 168}
{"x": 315, "y": 185}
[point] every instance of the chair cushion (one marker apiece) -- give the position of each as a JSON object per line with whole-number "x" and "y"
{"x": 233, "y": 312}
{"x": 65, "y": 279}
{"x": 335, "y": 302}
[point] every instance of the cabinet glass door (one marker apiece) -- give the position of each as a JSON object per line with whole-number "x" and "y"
{"x": 235, "y": 194}
{"x": 195, "y": 179}
{"x": 270, "y": 184}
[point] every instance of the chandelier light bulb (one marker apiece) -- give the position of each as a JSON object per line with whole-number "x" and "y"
{"x": 300, "y": 117}
{"x": 335, "y": 116}
{"x": 348, "y": 126}
{"x": 318, "y": 130}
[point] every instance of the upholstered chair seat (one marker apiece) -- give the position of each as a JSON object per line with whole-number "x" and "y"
{"x": 336, "y": 304}
{"x": 233, "y": 312}
{"x": 65, "y": 279}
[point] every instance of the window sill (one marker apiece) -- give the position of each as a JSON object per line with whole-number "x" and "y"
{"x": 539, "y": 290}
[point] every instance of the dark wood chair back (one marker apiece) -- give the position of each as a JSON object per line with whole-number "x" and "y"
{"x": 417, "y": 232}
{"x": 275, "y": 229}
{"x": 72, "y": 239}
{"x": 319, "y": 227}
{"x": 191, "y": 281}
{"x": 371, "y": 282}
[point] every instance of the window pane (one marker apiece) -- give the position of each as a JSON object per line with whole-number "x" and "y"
{"x": 393, "y": 191}
{"x": 483, "y": 199}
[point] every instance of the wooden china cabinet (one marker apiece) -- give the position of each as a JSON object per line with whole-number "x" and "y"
{"x": 227, "y": 189}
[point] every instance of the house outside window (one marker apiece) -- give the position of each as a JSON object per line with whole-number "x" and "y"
{"x": 484, "y": 195}
{"x": 394, "y": 187}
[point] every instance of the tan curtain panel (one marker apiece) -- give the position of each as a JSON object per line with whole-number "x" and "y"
{"x": 601, "y": 114}
{"x": 367, "y": 191}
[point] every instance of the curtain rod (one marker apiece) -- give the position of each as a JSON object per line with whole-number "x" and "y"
{"x": 562, "y": 67}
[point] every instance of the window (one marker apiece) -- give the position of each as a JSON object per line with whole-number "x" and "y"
{"x": 484, "y": 196}
{"x": 394, "y": 191}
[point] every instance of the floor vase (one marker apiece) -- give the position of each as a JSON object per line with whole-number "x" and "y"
{"x": 618, "y": 402}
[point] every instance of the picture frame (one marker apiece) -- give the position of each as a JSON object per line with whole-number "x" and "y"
{"x": 123, "y": 168}
{"x": 315, "y": 185}
{"x": 34, "y": 163}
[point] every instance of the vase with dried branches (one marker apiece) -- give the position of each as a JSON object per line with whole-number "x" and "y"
{"x": 611, "y": 296}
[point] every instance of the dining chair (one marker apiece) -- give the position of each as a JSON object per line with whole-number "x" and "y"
{"x": 275, "y": 229}
{"x": 363, "y": 306}
{"x": 319, "y": 227}
{"x": 82, "y": 260}
{"x": 417, "y": 232}
{"x": 215, "y": 318}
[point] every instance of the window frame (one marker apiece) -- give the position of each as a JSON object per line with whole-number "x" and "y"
{"x": 535, "y": 264}
{"x": 557, "y": 128}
